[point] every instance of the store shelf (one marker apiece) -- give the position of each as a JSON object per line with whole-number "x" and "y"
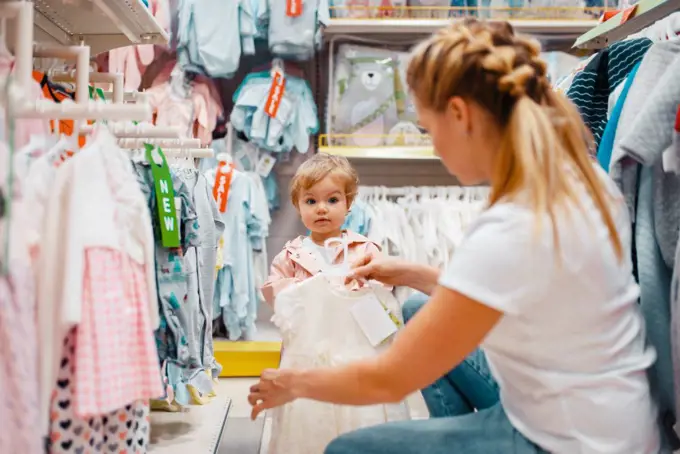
{"x": 381, "y": 152}
{"x": 377, "y": 26}
{"x": 101, "y": 24}
{"x": 646, "y": 12}
{"x": 246, "y": 359}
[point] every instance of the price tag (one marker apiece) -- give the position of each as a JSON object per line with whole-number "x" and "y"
{"x": 276, "y": 92}
{"x": 373, "y": 319}
{"x": 222, "y": 184}
{"x": 165, "y": 196}
{"x": 265, "y": 165}
{"x": 628, "y": 13}
{"x": 293, "y": 8}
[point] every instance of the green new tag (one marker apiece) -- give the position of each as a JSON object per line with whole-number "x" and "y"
{"x": 165, "y": 196}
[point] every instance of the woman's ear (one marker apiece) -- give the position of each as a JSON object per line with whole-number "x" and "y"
{"x": 459, "y": 110}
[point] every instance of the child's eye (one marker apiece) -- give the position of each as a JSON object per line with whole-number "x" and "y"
{"x": 333, "y": 200}
{"x": 310, "y": 201}
{"x": 422, "y": 130}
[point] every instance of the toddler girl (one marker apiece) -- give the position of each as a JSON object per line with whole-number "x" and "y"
{"x": 322, "y": 190}
{"x": 313, "y": 313}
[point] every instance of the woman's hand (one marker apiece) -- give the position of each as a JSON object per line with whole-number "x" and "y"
{"x": 274, "y": 389}
{"x": 387, "y": 270}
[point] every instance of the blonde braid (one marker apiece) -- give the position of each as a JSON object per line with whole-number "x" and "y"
{"x": 543, "y": 132}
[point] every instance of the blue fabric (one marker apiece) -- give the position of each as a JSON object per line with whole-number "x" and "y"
{"x": 464, "y": 4}
{"x": 295, "y": 38}
{"x": 236, "y": 295}
{"x": 604, "y": 152}
{"x": 591, "y": 87}
{"x": 271, "y": 186}
{"x": 295, "y": 121}
{"x": 212, "y": 35}
{"x": 485, "y": 432}
{"x": 358, "y": 219}
{"x": 463, "y": 390}
{"x": 654, "y": 278}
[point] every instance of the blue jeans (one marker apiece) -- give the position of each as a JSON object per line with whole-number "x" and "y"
{"x": 463, "y": 390}
{"x": 455, "y": 427}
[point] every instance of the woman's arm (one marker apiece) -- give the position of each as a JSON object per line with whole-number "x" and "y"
{"x": 447, "y": 329}
{"x": 423, "y": 278}
{"x": 396, "y": 272}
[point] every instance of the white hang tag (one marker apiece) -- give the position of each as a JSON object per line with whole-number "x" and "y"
{"x": 671, "y": 161}
{"x": 373, "y": 320}
{"x": 265, "y": 165}
{"x": 178, "y": 210}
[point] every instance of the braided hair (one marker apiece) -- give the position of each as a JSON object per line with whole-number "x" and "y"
{"x": 545, "y": 145}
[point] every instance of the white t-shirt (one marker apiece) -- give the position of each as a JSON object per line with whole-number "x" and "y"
{"x": 569, "y": 353}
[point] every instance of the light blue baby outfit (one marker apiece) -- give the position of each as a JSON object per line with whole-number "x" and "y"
{"x": 295, "y": 121}
{"x": 213, "y": 34}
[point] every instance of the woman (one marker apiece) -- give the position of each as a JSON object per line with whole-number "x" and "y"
{"x": 543, "y": 278}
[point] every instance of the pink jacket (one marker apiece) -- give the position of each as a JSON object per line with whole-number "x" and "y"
{"x": 295, "y": 264}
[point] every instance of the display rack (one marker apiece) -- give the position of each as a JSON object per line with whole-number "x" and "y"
{"x": 332, "y": 144}
{"x": 101, "y": 24}
{"x": 627, "y": 22}
{"x": 377, "y": 26}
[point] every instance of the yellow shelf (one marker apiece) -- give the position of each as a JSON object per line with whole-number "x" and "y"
{"x": 245, "y": 358}
{"x": 381, "y": 152}
{"x": 420, "y": 148}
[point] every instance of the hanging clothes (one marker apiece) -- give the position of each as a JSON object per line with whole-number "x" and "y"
{"x": 95, "y": 195}
{"x": 184, "y": 363}
{"x": 236, "y": 296}
{"x": 125, "y": 430}
{"x": 591, "y": 87}
{"x": 642, "y": 136}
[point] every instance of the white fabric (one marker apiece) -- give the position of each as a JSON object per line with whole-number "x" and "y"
{"x": 318, "y": 330}
{"x": 425, "y": 225}
{"x": 94, "y": 198}
{"x": 320, "y": 252}
{"x": 569, "y": 353}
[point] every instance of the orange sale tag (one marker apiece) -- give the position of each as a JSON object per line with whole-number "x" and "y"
{"x": 222, "y": 183}
{"x": 628, "y": 13}
{"x": 293, "y": 8}
{"x": 276, "y": 92}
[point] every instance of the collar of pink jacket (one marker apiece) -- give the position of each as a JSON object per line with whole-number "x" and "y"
{"x": 306, "y": 259}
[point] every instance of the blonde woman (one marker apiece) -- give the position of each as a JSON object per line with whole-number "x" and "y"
{"x": 543, "y": 279}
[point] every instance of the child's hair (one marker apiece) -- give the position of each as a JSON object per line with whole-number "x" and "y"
{"x": 319, "y": 167}
{"x": 543, "y": 131}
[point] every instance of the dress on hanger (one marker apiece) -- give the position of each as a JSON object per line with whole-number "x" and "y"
{"x": 319, "y": 330}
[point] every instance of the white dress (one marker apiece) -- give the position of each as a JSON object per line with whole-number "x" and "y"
{"x": 319, "y": 330}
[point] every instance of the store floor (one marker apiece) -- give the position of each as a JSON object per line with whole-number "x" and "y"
{"x": 243, "y": 436}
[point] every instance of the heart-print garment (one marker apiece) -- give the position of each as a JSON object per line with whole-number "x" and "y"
{"x": 124, "y": 431}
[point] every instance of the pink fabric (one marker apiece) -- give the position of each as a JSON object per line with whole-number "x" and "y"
{"x": 295, "y": 264}
{"x": 204, "y": 105}
{"x": 18, "y": 365}
{"x": 170, "y": 110}
{"x": 122, "y": 431}
{"x": 116, "y": 358}
{"x": 24, "y": 128}
{"x": 207, "y": 108}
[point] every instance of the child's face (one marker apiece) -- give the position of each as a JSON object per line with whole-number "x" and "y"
{"x": 323, "y": 207}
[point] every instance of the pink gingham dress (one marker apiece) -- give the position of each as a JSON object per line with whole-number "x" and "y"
{"x": 116, "y": 357}
{"x": 20, "y": 431}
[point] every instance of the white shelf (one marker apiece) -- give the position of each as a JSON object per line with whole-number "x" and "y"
{"x": 101, "y": 24}
{"x": 557, "y": 27}
{"x": 381, "y": 152}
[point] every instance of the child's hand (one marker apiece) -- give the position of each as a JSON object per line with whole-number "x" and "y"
{"x": 389, "y": 271}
